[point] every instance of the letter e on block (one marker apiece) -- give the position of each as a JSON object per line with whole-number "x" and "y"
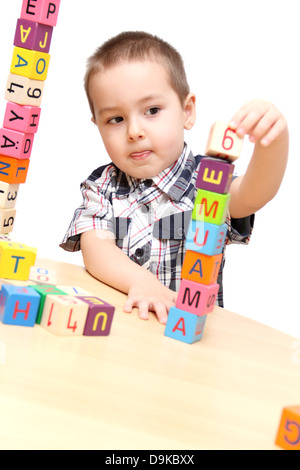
{"x": 41, "y": 11}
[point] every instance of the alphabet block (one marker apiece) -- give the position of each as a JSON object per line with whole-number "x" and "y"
{"x": 206, "y": 238}
{"x": 44, "y": 291}
{"x": 8, "y": 195}
{"x": 16, "y": 260}
{"x": 13, "y": 170}
{"x": 64, "y": 315}
{"x": 184, "y": 326}
{"x": 22, "y": 118}
{"x": 99, "y": 318}
{"x": 214, "y": 175}
{"x": 24, "y": 91}
{"x": 15, "y": 144}
{"x": 33, "y": 36}
{"x": 41, "y": 11}
{"x": 210, "y": 207}
{"x": 7, "y": 220}
{"x": 18, "y": 305}
{"x": 42, "y": 276}
{"x": 288, "y": 435}
{"x": 197, "y": 298}
{"x": 30, "y": 64}
{"x": 223, "y": 142}
{"x": 200, "y": 268}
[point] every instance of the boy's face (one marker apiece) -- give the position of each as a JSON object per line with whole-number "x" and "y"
{"x": 140, "y": 117}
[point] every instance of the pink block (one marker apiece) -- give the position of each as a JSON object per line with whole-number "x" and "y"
{"x": 33, "y": 36}
{"x": 22, "y": 118}
{"x": 15, "y": 144}
{"x": 197, "y": 298}
{"x": 41, "y": 11}
{"x": 215, "y": 175}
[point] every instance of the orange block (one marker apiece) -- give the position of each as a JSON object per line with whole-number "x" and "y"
{"x": 13, "y": 170}
{"x": 288, "y": 435}
{"x": 201, "y": 268}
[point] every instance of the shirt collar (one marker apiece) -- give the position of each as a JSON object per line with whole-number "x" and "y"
{"x": 173, "y": 181}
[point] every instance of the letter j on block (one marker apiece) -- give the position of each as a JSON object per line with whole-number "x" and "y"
{"x": 41, "y": 11}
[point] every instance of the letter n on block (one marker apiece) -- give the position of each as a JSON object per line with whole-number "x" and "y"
{"x": 18, "y": 305}
{"x": 184, "y": 326}
{"x": 99, "y": 318}
{"x": 288, "y": 435}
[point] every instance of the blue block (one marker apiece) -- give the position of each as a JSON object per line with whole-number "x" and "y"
{"x": 206, "y": 238}
{"x": 184, "y": 326}
{"x": 19, "y": 305}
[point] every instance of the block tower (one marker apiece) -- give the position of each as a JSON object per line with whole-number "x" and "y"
{"x": 24, "y": 91}
{"x": 206, "y": 237}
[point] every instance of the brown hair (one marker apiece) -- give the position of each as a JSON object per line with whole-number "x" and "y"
{"x": 131, "y": 46}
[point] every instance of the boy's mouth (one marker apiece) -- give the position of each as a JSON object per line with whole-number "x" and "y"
{"x": 140, "y": 155}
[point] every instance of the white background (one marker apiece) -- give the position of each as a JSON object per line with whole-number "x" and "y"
{"x": 234, "y": 51}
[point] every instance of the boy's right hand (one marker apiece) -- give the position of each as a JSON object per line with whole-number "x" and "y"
{"x": 150, "y": 296}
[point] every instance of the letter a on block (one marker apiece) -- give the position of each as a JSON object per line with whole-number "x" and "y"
{"x": 184, "y": 326}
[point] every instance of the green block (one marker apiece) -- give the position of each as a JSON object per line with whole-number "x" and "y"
{"x": 44, "y": 291}
{"x": 210, "y": 207}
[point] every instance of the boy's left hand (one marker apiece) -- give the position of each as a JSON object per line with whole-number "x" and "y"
{"x": 261, "y": 120}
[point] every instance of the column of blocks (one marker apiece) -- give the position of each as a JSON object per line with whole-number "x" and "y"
{"x": 67, "y": 311}
{"x": 205, "y": 238}
{"x": 24, "y": 91}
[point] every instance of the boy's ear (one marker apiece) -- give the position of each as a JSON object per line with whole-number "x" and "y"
{"x": 189, "y": 109}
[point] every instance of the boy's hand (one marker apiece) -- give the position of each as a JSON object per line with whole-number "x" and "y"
{"x": 261, "y": 120}
{"x": 150, "y": 297}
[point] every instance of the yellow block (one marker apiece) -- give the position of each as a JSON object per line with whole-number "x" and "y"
{"x": 30, "y": 64}
{"x": 16, "y": 260}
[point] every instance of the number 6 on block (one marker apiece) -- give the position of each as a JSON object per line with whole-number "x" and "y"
{"x": 223, "y": 142}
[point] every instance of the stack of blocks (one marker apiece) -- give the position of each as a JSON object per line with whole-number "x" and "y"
{"x": 61, "y": 310}
{"x": 206, "y": 237}
{"x": 24, "y": 92}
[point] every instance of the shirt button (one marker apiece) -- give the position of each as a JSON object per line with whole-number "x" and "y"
{"x": 148, "y": 183}
{"x": 139, "y": 252}
{"x": 145, "y": 209}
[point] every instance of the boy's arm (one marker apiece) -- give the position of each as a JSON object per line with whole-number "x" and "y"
{"x": 108, "y": 263}
{"x": 267, "y": 128}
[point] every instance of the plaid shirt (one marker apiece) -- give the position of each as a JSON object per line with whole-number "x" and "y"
{"x": 149, "y": 218}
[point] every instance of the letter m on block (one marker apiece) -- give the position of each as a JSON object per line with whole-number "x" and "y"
{"x": 204, "y": 205}
{"x": 187, "y": 296}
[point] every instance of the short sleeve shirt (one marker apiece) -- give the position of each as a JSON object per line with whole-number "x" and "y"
{"x": 148, "y": 218}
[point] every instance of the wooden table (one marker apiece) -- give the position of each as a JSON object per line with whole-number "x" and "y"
{"x": 137, "y": 389}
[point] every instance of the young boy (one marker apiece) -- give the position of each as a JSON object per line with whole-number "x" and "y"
{"x": 131, "y": 226}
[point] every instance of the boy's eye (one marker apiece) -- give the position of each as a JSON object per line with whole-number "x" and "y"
{"x": 115, "y": 120}
{"x": 152, "y": 111}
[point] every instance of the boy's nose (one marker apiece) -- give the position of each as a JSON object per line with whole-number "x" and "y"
{"x": 135, "y": 132}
